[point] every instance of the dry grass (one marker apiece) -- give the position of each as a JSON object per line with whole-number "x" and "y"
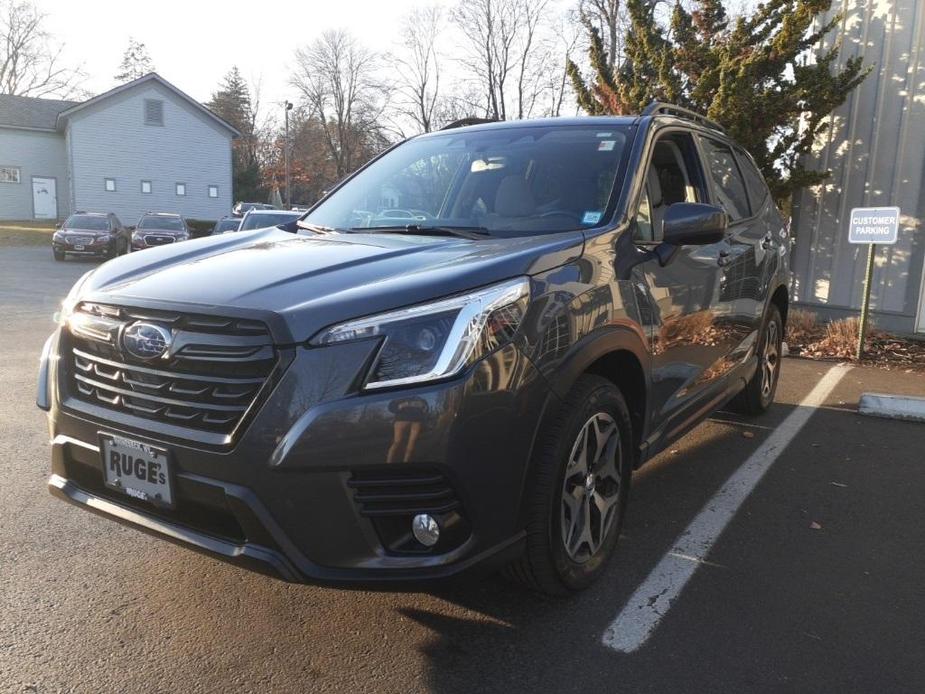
{"x": 26, "y": 233}
{"x": 802, "y": 326}
{"x": 838, "y": 339}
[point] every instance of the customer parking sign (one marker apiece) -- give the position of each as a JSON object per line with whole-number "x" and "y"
{"x": 878, "y": 225}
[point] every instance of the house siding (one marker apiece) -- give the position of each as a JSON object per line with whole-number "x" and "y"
{"x": 111, "y": 140}
{"x": 36, "y": 153}
{"x": 876, "y": 152}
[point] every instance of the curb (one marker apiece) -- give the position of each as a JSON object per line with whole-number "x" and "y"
{"x": 906, "y": 407}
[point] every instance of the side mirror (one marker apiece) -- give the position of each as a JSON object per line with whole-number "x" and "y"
{"x": 693, "y": 224}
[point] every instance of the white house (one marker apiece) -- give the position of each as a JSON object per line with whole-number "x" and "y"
{"x": 143, "y": 146}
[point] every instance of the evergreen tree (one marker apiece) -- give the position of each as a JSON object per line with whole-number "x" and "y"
{"x": 232, "y": 102}
{"x": 135, "y": 62}
{"x": 749, "y": 76}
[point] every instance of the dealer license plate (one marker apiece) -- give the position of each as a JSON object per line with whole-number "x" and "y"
{"x": 140, "y": 470}
{"x": 79, "y": 248}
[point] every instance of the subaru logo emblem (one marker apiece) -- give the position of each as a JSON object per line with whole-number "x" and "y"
{"x": 146, "y": 340}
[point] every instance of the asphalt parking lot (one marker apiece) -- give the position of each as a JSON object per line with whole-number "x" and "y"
{"x": 815, "y": 585}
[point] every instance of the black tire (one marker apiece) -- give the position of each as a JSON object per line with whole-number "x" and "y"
{"x": 759, "y": 392}
{"x": 59, "y": 255}
{"x": 548, "y": 565}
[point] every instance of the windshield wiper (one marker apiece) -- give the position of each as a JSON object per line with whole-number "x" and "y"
{"x": 435, "y": 230}
{"x": 317, "y": 228}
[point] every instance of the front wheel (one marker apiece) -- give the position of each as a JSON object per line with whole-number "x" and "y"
{"x": 59, "y": 255}
{"x": 758, "y": 393}
{"x": 579, "y": 490}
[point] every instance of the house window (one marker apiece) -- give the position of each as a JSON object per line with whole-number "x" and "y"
{"x": 181, "y": 189}
{"x": 10, "y": 174}
{"x": 110, "y": 184}
{"x": 154, "y": 112}
{"x": 146, "y": 187}
{"x": 213, "y": 191}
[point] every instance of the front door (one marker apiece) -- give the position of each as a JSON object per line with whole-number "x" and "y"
{"x": 687, "y": 341}
{"x": 44, "y": 198}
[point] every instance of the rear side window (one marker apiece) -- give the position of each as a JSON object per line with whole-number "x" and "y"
{"x": 754, "y": 181}
{"x": 728, "y": 185}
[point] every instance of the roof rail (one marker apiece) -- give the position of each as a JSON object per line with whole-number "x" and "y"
{"x": 661, "y": 108}
{"x": 471, "y": 120}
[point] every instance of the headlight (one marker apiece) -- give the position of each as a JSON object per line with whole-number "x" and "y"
{"x": 438, "y": 339}
{"x": 182, "y": 237}
{"x": 70, "y": 301}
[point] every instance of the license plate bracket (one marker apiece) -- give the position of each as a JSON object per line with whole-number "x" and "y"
{"x": 137, "y": 469}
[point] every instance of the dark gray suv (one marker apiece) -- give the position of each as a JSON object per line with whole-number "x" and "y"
{"x": 457, "y": 360}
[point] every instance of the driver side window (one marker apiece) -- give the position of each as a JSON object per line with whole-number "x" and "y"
{"x": 672, "y": 176}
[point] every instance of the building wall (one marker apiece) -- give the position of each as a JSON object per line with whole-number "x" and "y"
{"x": 876, "y": 152}
{"x": 36, "y": 153}
{"x": 111, "y": 140}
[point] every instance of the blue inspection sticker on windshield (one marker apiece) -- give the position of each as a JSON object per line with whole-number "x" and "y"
{"x": 591, "y": 218}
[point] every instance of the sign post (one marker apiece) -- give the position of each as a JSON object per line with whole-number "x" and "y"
{"x": 871, "y": 226}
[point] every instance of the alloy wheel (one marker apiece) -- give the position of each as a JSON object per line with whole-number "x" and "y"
{"x": 769, "y": 359}
{"x": 591, "y": 488}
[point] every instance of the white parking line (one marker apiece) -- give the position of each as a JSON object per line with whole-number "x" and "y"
{"x": 651, "y": 601}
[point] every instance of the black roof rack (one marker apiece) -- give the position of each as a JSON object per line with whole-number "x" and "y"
{"x": 661, "y": 108}
{"x": 471, "y": 120}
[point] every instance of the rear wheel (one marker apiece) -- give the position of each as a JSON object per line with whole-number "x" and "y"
{"x": 758, "y": 393}
{"x": 579, "y": 490}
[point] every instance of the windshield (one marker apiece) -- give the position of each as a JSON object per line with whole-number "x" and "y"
{"x": 227, "y": 224}
{"x": 513, "y": 181}
{"x": 261, "y": 221}
{"x": 87, "y": 223}
{"x": 162, "y": 223}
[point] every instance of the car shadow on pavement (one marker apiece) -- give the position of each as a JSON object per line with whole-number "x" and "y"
{"x": 742, "y": 627}
{"x": 517, "y": 640}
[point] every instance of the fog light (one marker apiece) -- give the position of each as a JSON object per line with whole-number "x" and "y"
{"x": 425, "y": 529}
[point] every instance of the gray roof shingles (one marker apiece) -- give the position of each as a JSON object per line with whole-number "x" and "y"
{"x": 28, "y": 112}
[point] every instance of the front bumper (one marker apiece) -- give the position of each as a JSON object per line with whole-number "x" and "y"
{"x": 283, "y": 498}
{"x": 139, "y": 243}
{"x": 96, "y": 248}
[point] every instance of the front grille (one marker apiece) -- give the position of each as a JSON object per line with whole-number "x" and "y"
{"x": 210, "y": 376}
{"x": 80, "y": 240}
{"x": 402, "y": 493}
{"x": 157, "y": 240}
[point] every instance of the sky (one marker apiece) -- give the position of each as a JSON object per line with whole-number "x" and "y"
{"x": 193, "y": 43}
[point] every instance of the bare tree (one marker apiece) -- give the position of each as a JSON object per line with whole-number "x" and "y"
{"x": 30, "y": 58}
{"x": 508, "y": 52}
{"x": 336, "y": 78}
{"x": 418, "y": 67}
{"x": 609, "y": 18}
{"x": 568, "y": 37}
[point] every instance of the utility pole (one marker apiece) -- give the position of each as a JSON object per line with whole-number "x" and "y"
{"x": 287, "y": 108}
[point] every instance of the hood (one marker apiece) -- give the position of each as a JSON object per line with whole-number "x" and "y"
{"x": 300, "y": 284}
{"x": 84, "y": 232}
{"x": 162, "y": 232}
